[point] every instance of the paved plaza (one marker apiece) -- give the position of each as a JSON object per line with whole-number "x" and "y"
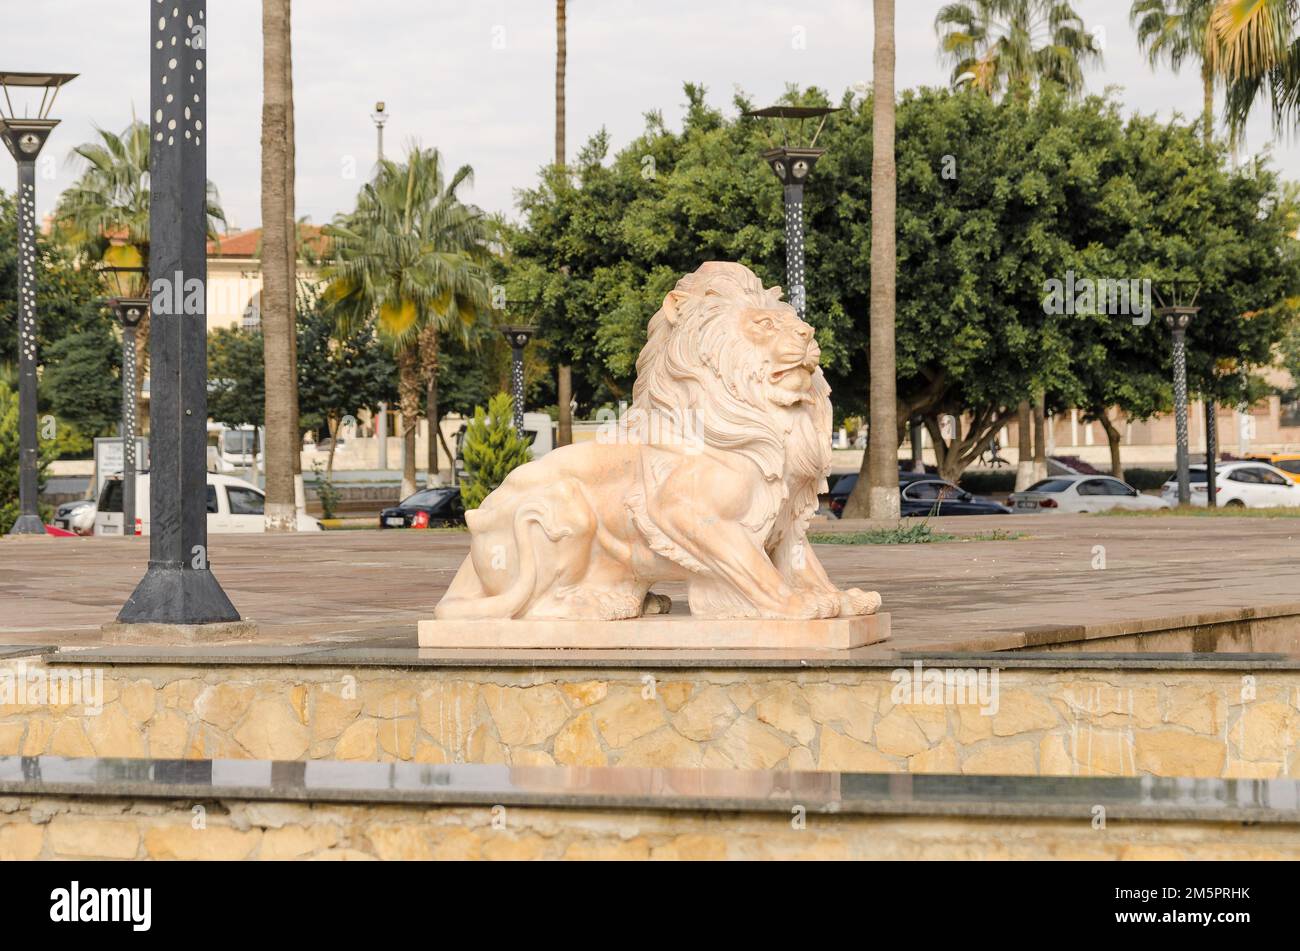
{"x": 371, "y": 587}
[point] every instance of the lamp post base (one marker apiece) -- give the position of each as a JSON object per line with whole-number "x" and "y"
{"x": 169, "y": 594}
{"x": 28, "y": 525}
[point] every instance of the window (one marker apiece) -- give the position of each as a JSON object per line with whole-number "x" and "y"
{"x": 1249, "y": 475}
{"x": 212, "y": 500}
{"x": 244, "y": 501}
{"x": 1050, "y": 485}
{"x": 1115, "y": 487}
{"x": 111, "y": 498}
{"x": 238, "y": 440}
{"x": 1094, "y": 487}
{"x": 923, "y": 491}
{"x": 1289, "y": 465}
{"x": 1272, "y": 478}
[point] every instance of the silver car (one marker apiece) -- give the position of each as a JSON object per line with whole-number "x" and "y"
{"x": 1082, "y": 493}
{"x": 78, "y": 516}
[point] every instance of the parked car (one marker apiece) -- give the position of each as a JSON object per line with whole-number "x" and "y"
{"x": 1081, "y": 493}
{"x": 1288, "y": 462}
{"x": 1241, "y": 484}
{"x": 233, "y": 506}
{"x": 438, "y": 507}
{"x": 77, "y": 517}
{"x": 921, "y": 494}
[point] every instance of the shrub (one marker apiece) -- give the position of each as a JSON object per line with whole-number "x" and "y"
{"x": 492, "y": 449}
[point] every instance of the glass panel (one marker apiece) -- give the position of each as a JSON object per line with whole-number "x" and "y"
{"x": 244, "y": 501}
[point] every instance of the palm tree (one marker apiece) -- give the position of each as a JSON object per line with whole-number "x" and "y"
{"x": 410, "y": 256}
{"x": 1173, "y": 31}
{"x": 105, "y": 213}
{"x": 995, "y": 45}
{"x": 1256, "y": 50}
{"x": 881, "y": 462}
{"x": 278, "y": 291}
{"x": 564, "y": 375}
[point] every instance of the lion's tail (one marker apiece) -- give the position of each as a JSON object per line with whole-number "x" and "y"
{"x": 510, "y": 602}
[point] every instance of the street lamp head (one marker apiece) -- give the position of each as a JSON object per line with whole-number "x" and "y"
{"x": 793, "y": 162}
{"x": 1177, "y": 318}
{"x": 518, "y": 335}
{"x": 25, "y": 121}
{"x": 126, "y": 288}
{"x": 380, "y": 115}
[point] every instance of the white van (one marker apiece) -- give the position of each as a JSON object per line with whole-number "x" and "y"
{"x": 233, "y": 506}
{"x": 234, "y": 449}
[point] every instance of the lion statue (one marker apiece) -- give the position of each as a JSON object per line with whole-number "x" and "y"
{"x": 710, "y": 478}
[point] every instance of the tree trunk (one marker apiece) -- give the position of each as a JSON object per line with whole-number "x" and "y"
{"x": 564, "y": 396}
{"x": 1112, "y": 437}
{"x": 429, "y": 364}
{"x": 915, "y": 429}
{"x": 880, "y": 466}
{"x": 1024, "y": 447}
{"x": 332, "y": 426}
{"x": 1040, "y": 437}
{"x": 277, "y": 317}
{"x": 561, "y": 63}
{"x": 291, "y": 242}
{"x": 1211, "y": 453}
{"x": 408, "y": 392}
{"x": 564, "y": 375}
{"x": 1207, "y": 106}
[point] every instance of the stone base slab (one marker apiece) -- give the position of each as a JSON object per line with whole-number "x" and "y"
{"x": 672, "y": 632}
{"x": 152, "y": 634}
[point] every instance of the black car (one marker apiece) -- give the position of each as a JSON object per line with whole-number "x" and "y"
{"x": 922, "y": 494}
{"x": 429, "y": 508}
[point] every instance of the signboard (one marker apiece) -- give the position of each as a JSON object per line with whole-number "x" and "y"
{"x": 108, "y": 458}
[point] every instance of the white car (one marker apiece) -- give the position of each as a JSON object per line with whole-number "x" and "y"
{"x": 1082, "y": 493}
{"x": 233, "y": 506}
{"x": 78, "y": 516}
{"x": 1245, "y": 484}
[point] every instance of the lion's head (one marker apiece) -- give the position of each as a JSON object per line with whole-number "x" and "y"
{"x": 728, "y": 360}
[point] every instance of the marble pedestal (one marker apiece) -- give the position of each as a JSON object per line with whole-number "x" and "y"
{"x": 671, "y": 631}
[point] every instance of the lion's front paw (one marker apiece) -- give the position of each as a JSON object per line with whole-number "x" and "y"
{"x": 811, "y": 604}
{"x": 857, "y": 601}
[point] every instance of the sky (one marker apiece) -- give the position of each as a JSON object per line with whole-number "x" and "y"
{"x": 476, "y": 79}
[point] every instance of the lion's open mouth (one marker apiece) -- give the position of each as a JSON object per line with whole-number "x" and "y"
{"x": 808, "y": 366}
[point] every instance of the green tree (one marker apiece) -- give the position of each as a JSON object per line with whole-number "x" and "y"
{"x": 492, "y": 449}
{"x": 236, "y": 377}
{"x": 994, "y": 199}
{"x": 81, "y": 380}
{"x": 412, "y": 257}
{"x": 996, "y": 45}
{"x": 341, "y": 371}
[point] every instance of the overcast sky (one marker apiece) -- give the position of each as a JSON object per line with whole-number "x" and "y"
{"x": 476, "y": 79}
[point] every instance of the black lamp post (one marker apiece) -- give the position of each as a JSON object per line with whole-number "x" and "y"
{"x": 792, "y": 165}
{"x": 1177, "y": 315}
{"x": 179, "y": 587}
{"x": 126, "y": 285}
{"x": 25, "y": 137}
{"x": 518, "y": 337}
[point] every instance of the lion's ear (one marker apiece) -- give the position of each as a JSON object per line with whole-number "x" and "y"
{"x": 775, "y": 293}
{"x": 671, "y": 303}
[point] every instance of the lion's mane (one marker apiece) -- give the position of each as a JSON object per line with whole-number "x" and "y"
{"x": 707, "y": 381}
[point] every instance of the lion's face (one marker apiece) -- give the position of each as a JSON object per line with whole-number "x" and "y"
{"x": 729, "y": 359}
{"x": 785, "y": 350}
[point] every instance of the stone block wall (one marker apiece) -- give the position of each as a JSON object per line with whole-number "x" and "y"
{"x": 52, "y": 827}
{"x": 1058, "y": 722}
